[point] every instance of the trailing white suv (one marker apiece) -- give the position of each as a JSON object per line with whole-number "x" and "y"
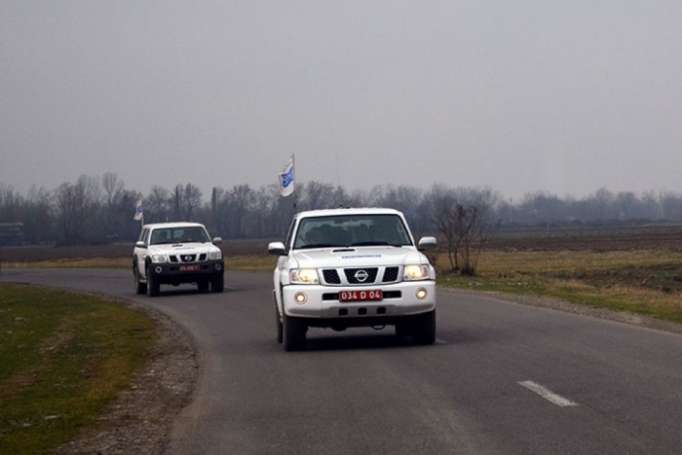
{"x": 175, "y": 253}
{"x": 353, "y": 268}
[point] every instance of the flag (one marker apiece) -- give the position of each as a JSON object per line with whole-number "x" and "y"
{"x": 139, "y": 211}
{"x": 287, "y": 179}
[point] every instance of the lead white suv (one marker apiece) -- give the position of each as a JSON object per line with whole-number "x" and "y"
{"x": 175, "y": 253}
{"x": 350, "y": 268}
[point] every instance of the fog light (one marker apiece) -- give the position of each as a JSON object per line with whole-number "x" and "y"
{"x": 421, "y": 293}
{"x": 158, "y": 269}
{"x": 218, "y": 267}
{"x": 300, "y": 297}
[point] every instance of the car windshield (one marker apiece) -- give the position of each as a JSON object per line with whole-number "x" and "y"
{"x": 351, "y": 230}
{"x": 194, "y": 234}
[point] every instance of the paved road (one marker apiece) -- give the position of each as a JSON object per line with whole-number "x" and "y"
{"x": 367, "y": 392}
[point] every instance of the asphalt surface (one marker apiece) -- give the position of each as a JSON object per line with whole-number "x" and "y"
{"x": 366, "y": 391}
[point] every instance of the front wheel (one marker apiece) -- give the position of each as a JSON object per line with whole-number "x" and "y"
{"x": 425, "y": 328}
{"x": 153, "y": 285}
{"x": 202, "y": 286}
{"x": 218, "y": 283}
{"x": 293, "y": 333}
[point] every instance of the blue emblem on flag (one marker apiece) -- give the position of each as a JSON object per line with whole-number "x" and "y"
{"x": 287, "y": 179}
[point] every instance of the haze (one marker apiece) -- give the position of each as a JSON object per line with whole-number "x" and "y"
{"x": 522, "y": 96}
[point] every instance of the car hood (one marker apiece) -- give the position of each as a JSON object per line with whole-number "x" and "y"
{"x": 357, "y": 257}
{"x": 183, "y": 248}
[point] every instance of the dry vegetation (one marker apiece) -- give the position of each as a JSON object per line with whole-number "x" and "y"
{"x": 646, "y": 282}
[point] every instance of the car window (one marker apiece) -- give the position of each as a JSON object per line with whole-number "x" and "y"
{"x": 194, "y": 234}
{"x": 351, "y": 230}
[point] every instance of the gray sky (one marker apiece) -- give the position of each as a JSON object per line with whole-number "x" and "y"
{"x": 564, "y": 96}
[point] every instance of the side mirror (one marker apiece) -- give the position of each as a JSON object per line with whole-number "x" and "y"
{"x": 276, "y": 249}
{"x": 140, "y": 245}
{"x": 217, "y": 241}
{"x": 427, "y": 243}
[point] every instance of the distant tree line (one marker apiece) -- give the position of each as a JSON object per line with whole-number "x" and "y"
{"x": 100, "y": 209}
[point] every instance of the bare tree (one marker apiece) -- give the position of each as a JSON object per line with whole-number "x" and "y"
{"x": 113, "y": 188}
{"x": 191, "y": 200}
{"x": 444, "y": 211}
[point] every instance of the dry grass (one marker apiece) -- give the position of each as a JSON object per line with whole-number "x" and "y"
{"x": 72, "y": 263}
{"x": 647, "y": 282}
{"x": 247, "y": 263}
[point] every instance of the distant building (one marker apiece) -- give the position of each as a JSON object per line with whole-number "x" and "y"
{"x": 11, "y": 234}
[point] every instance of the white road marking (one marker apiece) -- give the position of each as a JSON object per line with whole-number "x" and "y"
{"x": 441, "y": 341}
{"x": 547, "y": 394}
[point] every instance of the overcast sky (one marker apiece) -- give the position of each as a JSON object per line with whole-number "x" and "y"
{"x": 564, "y": 96}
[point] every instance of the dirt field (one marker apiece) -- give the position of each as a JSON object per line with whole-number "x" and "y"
{"x": 599, "y": 239}
{"x": 117, "y": 250}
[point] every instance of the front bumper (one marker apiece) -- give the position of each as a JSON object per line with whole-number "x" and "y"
{"x": 322, "y": 302}
{"x": 170, "y": 272}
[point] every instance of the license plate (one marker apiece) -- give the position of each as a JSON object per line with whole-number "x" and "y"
{"x": 189, "y": 268}
{"x": 361, "y": 296}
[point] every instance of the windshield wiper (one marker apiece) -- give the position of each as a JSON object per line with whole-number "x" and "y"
{"x": 375, "y": 243}
{"x": 318, "y": 245}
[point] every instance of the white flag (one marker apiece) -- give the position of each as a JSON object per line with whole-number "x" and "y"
{"x": 287, "y": 179}
{"x": 139, "y": 211}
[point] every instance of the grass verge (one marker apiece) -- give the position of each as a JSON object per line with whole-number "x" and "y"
{"x": 643, "y": 282}
{"x": 63, "y": 358}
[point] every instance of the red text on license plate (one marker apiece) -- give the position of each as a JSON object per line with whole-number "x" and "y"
{"x": 189, "y": 268}
{"x": 361, "y": 296}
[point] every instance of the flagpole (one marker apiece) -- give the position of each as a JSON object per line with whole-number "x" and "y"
{"x": 295, "y": 198}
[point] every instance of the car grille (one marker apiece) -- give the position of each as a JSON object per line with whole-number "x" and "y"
{"x": 186, "y": 258}
{"x": 390, "y": 275}
{"x": 331, "y": 276}
{"x": 355, "y": 276}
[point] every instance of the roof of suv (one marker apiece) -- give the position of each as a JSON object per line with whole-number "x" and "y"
{"x": 355, "y": 211}
{"x": 172, "y": 225}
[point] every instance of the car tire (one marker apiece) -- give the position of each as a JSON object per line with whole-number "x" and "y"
{"x": 218, "y": 283}
{"x": 140, "y": 288}
{"x": 203, "y": 286}
{"x": 425, "y": 328}
{"x": 293, "y": 333}
{"x": 153, "y": 286}
{"x": 279, "y": 328}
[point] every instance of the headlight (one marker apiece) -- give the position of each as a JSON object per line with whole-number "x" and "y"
{"x": 159, "y": 258}
{"x": 215, "y": 255}
{"x": 303, "y": 276}
{"x": 416, "y": 272}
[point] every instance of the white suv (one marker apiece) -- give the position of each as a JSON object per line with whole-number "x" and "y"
{"x": 175, "y": 253}
{"x": 350, "y": 268}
